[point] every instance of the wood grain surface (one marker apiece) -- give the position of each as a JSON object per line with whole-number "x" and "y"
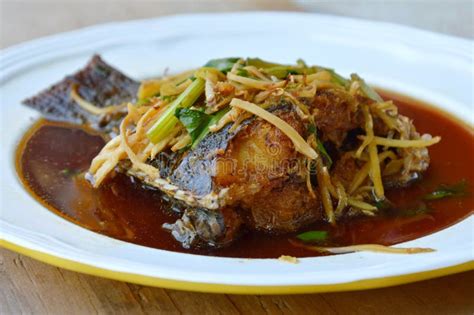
{"x": 31, "y": 287}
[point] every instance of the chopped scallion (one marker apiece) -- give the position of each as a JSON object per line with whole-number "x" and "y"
{"x": 445, "y": 191}
{"x": 197, "y": 122}
{"x": 224, "y": 65}
{"x": 313, "y": 236}
{"x": 165, "y": 124}
{"x": 366, "y": 89}
{"x": 320, "y": 146}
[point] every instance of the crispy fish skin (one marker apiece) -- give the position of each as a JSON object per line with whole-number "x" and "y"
{"x": 252, "y": 172}
{"x": 97, "y": 83}
{"x": 254, "y": 152}
{"x": 199, "y": 227}
{"x": 196, "y": 171}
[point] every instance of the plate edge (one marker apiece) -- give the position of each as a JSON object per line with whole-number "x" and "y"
{"x": 365, "y": 284}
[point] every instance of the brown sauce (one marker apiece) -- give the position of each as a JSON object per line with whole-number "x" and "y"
{"x": 52, "y": 154}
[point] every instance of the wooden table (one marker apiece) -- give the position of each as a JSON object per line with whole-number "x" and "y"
{"x": 28, "y": 286}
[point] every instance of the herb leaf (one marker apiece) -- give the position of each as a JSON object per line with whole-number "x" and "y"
{"x": 213, "y": 120}
{"x": 312, "y": 236}
{"x": 193, "y": 120}
{"x": 383, "y": 204}
{"x": 281, "y": 71}
{"x": 325, "y": 153}
{"x": 337, "y": 78}
{"x": 224, "y": 65}
{"x": 243, "y": 73}
{"x": 197, "y": 123}
{"x": 445, "y": 191}
{"x": 320, "y": 146}
{"x": 366, "y": 89}
{"x": 166, "y": 122}
{"x": 261, "y": 64}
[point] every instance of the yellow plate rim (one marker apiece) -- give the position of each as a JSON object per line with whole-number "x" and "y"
{"x": 233, "y": 289}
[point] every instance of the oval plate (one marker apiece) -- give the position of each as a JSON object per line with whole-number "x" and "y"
{"x": 432, "y": 67}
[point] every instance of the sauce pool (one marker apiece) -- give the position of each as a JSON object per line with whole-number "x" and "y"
{"x": 52, "y": 155}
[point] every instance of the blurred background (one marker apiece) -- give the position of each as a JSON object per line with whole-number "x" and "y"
{"x": 22, "y": 20}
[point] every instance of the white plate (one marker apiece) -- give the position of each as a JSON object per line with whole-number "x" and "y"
{"x": 428, "y": 66}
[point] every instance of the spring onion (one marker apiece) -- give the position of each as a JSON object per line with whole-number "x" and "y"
{"x": 312, "y": 236}
{"x": 197, "y": 122}
{"x": 320, "y": 146}
{"x": 224, "y": 65}
{"x": 366, "y": 89}
{"x": 164, "y": 125}
{"x": 444, "y": 191}
{"x": 280, "y": 71}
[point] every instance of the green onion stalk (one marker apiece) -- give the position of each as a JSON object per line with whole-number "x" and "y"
{"x": 167, "y": 121}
